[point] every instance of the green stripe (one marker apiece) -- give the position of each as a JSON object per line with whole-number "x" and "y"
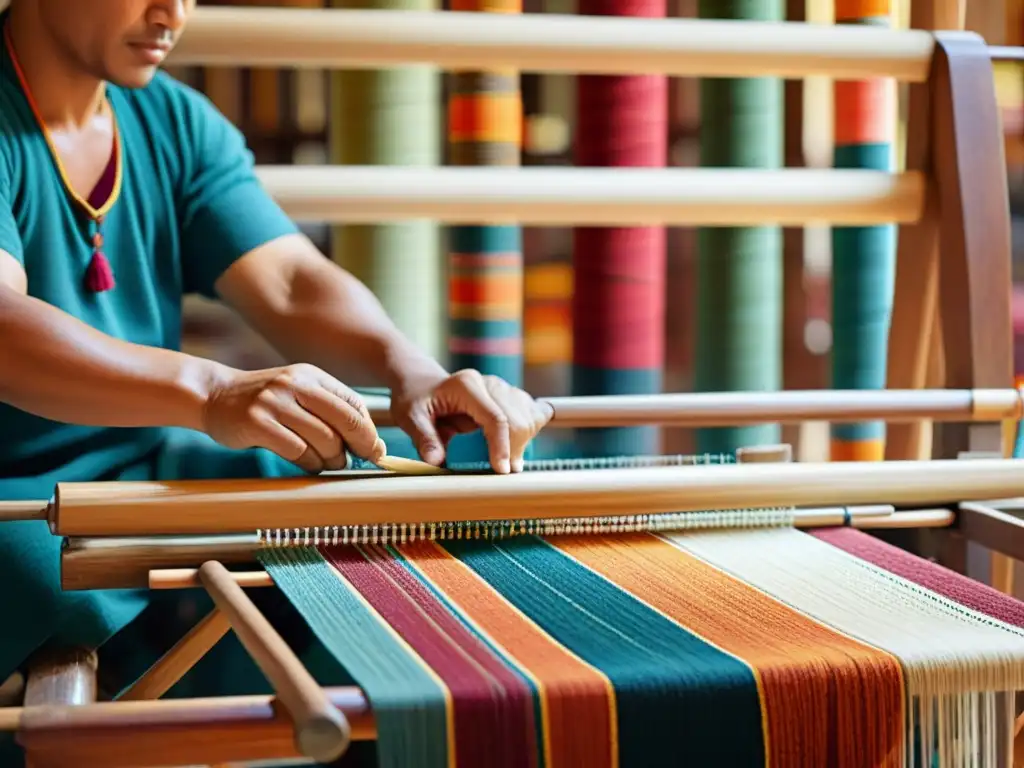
{"x": 392, "y": 117}
{"x": 739, "y": 270}
{"x": 673, "y": 691}
{"x": 408, "y": 704}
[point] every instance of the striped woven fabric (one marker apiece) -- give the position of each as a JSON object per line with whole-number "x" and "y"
{"x": 736, "y": 648}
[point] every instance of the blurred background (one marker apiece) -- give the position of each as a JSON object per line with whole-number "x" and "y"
{"x": 310, "y": 117}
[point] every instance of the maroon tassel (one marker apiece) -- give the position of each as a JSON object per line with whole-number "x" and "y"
{"x": 99, "y": 277}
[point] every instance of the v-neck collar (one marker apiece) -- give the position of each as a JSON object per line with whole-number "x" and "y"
{"x": 105, "y": 193}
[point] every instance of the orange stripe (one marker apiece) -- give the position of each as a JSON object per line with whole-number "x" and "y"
{"x": 494, "y": 117}
{"x": 488, "y": 6}
{"x": 857, "y": 450}
{"x": 819, "y": 689}
{"x": 536, "y": 316}
{"x": 569, "y": 687}
{"x": 471, "y": 311}
{"x": 865, "y": 112}
{"x": 852, "y": 10}
{"x": 497, "y": 288}
{"x": 548, "y": 281}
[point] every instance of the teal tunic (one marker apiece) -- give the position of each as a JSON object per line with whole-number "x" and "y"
{"x": 189, "y": 206}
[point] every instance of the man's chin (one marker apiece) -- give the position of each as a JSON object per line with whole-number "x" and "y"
{"x": 136, "y": 77}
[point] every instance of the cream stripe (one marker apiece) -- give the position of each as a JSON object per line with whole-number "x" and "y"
{"x": 947, "y": 650}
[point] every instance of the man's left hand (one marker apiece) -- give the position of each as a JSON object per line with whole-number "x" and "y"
{"x": 434, "y": 412}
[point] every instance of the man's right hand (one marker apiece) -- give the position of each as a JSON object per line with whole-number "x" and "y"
{"x": 297, "y": 411}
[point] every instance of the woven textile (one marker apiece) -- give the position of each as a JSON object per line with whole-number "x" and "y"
{"x": 735, "y": 648}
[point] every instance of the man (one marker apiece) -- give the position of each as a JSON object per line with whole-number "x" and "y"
{"x": 121, "y": 190}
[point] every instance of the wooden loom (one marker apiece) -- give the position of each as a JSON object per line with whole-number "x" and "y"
{"x": 952, "y": 207}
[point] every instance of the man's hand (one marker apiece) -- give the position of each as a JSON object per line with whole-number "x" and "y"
{"x": 435, "y": 410}
{"x": 299, "y": 412}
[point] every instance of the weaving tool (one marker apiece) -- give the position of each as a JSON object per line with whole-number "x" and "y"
{"x": 605, "y": 612}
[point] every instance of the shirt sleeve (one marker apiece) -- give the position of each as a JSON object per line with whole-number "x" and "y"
{"x": 10, "y": 238}
{"x": 224, "y": 210}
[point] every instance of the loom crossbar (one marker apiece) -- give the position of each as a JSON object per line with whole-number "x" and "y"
{"x": 726, "y": 409}
{"x": 210, "y": 507}
{"x": 130, "y": 562}
{"x": 595, "y": 196}
{"x": 335, "y": 38}
{"x": 172, "y": 732}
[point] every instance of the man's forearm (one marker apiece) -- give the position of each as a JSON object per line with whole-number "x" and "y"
{"x": 332, "y": 320}
{"x": 56, "y": 367}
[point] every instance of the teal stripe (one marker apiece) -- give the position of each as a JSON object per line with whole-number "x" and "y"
{"x": 465, "y": 328}
{"x": 863, "y": 280}
{"x": 877, "y": 157}
{"x": 676, "y": 695}
{"x": 497, "y": 239}
{"x": 507, "y": 367}
{"x": 872, "y": 430}
{"x": 408, "y": 704}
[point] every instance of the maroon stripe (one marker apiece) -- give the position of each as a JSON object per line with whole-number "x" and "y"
{"x": 960, "y": 589}
{"x": 493, "y": 707}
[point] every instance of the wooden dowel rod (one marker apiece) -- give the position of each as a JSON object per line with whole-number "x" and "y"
{"x": 185, "y": 578}
{"x": 331, "y": 39}
{"x": 917, "y": 518}
{"x": 1006, "y": 53}
{"x": 15, "y": 511}
{"x": 229, "y": 729}
{"x": 725, "y": 409}
{"x": 597, "y": 197}
{"x": 181, "y": 578}
{"x": 321, "y": 731}
{"x": 202, "y": 507}
{"x": 10, "y": 719}
{"x": 185, "y": 654}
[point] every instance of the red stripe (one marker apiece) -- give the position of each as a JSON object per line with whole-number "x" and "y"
{"x": 960, "y": 589}
{"x": 493, "y": 707}
{"x": 618, "y": 308}
{"x": 619, "y": 290}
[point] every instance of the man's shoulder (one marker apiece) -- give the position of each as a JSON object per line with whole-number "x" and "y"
{"x": 16, "y": 124}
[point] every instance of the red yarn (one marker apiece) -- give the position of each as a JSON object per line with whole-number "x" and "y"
{"x": 619, "y": 272}
{"x": 100, "y": 276}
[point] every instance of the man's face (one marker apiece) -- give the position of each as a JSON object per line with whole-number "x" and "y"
{"x": 120, "y": 41}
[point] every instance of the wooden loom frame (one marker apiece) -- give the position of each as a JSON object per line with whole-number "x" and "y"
{"x": 964, "y": 229}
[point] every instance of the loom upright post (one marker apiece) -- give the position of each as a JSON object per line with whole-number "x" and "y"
{"x": 739, "y": 269}
{"x": 618, "y": 300}
{"x": 863, "y": 258}
{"x": 485, "y": 267}
{"x": 392, "y": 117}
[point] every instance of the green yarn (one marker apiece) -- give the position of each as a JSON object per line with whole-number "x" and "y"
{"x": 392, "y": 117}
{"x": 739, "y": 269}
